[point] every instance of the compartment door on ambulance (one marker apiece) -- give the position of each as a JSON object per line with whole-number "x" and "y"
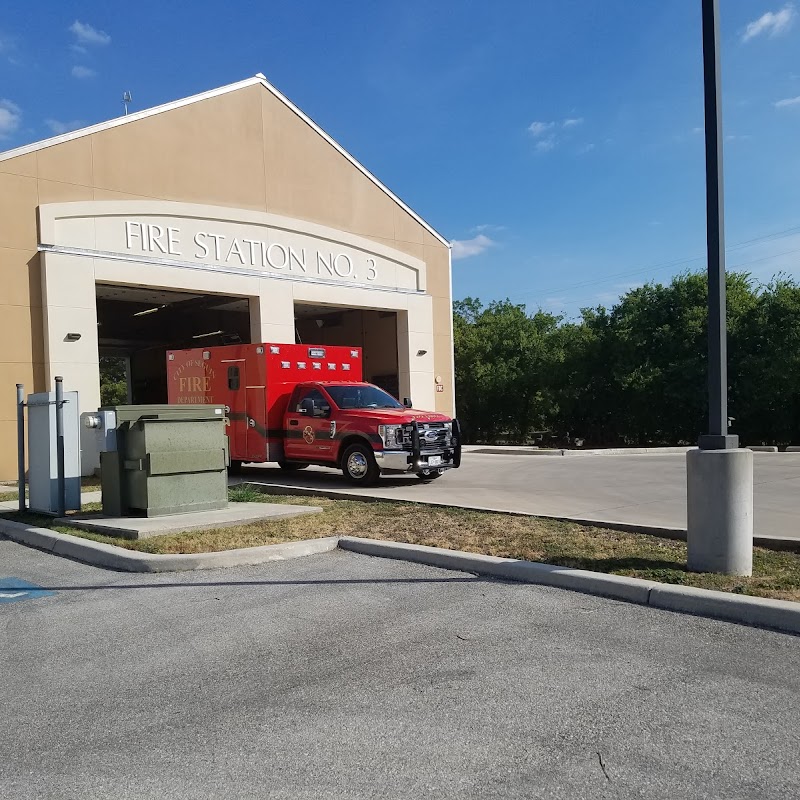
{"x": 236, "y": 400}
{"x": 257, "y": 422}
{"x": 308, "y": 427}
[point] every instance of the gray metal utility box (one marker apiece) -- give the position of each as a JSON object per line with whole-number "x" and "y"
{"x": 168, "y": 460}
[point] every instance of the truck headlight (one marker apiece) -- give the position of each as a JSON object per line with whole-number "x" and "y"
{"x": 391, "y": 436}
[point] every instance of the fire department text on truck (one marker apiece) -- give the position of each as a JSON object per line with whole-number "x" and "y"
{"x": 199, "y": 384}
{"x": 255, "y": 253}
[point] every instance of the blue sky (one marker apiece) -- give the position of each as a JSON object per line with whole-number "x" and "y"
{"x": 558, "y": 143}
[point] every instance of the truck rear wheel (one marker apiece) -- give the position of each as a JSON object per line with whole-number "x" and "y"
{"x": 359, "y": 465}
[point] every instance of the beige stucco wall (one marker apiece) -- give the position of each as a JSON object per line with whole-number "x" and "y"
{"x": 243, "y": 149}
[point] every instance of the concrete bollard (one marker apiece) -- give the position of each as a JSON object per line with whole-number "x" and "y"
{"x": 720, "y": 511}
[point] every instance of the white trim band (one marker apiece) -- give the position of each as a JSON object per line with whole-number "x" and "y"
{"x": 250, "y": 273}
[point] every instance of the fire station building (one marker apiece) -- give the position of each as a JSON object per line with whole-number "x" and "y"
{"x": 225, "y": 217}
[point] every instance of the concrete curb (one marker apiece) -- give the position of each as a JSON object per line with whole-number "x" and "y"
{"x": 761, "y": 612}
{"x": 512, "y": 450}
{"x": 780, "y": 615}
{"x": 118, "y": 558}
{"x": 677, "y": 534}
{"x": 614, "y": 586}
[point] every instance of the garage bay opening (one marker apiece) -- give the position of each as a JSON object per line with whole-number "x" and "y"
{"x": 374, "y": 331}
{"x": 137, "y": 325}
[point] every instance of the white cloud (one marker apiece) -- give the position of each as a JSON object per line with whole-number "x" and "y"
{"x": 58, "y": 127}
{"x": 540, "y": 128}
{"x": 545, "y": 134}
{"x": 471, "y": 247}
{"x": 10, "y": 117}
{"x": 83, "y": 72}
{"x": 587, "y": 148}
{"x": 86, "y": 34}
{"x": 788, "y": 101}
{"x": 698, "y": 130}
{"x": 488, "y": 227}
{"x": 78, "y": 49}
{"x": 771, "y": 23}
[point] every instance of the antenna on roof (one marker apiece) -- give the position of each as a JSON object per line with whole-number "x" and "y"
{"x": 126, "y": 98}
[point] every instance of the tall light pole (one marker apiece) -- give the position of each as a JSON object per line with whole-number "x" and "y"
{"x": 719, "y": 475}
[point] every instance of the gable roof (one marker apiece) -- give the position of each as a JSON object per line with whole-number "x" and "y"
{"x": 258, "y": 79}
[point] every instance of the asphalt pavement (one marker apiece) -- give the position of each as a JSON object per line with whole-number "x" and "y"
{"x": 648, "y": 489}
{"x": 347, "y": 676}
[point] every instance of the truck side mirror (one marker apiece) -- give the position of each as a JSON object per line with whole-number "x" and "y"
{"x": 306, "y": 407}
{"x": 407, "y": 402}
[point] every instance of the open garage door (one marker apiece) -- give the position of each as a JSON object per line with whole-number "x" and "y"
{"x": 137, "y": 325}
{"x": 374, "y": 331}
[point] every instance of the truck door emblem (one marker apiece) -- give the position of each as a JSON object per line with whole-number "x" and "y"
{"x": 308, "y": 434}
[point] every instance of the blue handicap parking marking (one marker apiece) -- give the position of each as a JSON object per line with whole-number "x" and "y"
{"x": 14, "y": 589}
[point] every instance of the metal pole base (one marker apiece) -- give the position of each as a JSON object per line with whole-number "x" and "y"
{"x": 720, "y": 511}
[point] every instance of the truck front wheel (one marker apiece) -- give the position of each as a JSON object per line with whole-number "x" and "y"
{"x": 359, "y": 465}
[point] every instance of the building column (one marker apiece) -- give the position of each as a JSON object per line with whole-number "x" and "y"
{"x": 415, "y": 352}
{"x": 69, "y": 309}
{"x": 272, "y": 313}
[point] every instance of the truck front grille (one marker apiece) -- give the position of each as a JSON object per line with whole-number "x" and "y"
{"x": 432, "y": 436}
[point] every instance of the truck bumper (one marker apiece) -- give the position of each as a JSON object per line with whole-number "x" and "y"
{"x": 403, "y": 460}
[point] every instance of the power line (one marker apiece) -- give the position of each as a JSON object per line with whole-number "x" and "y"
{"x": 782, "y": 234}
{"x": 730, "y": 267}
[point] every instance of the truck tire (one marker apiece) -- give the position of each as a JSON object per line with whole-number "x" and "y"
{"x": 429, "y": 474}
{"x": 291, "y": 466}
{"x": 359, "y": 465}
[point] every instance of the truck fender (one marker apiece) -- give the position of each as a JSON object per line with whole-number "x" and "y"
{"x": 352, "y": 438}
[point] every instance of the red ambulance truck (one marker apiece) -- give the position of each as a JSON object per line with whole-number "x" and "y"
{"x": 298, "y": 405}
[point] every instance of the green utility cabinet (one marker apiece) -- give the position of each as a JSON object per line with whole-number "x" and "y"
{"x": 167, "y": 460}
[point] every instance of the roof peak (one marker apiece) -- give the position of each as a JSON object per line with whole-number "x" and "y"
{"x": 258, "y": 79}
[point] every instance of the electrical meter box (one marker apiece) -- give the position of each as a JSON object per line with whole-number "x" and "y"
{"x": 42, "y": 454}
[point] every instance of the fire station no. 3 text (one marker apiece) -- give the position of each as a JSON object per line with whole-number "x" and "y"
{"x": 240, "y": 252}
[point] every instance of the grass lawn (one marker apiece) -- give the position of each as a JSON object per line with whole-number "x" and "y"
{"x": 775, "y": 574}
{"x": 7, "y": 493}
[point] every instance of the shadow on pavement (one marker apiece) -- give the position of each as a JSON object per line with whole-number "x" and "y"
{"x": 322, "y": 582}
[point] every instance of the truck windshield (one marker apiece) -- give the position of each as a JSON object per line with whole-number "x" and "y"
{"x": 361, "y": 397}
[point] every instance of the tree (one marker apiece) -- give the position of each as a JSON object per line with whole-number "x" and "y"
{"x": 765, "y": 374}
{"x": 501, "y": 357}
{"x": 113, "y": 381}
{"x": 635, "y": 374}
